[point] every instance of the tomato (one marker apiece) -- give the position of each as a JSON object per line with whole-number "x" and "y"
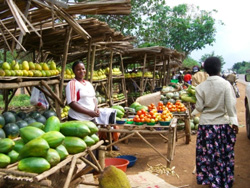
{"x": 142, "y": 116}
{"x": 139, "y": 112}
{"x": 142, "y": 120}
{"x": 143, "y": 111}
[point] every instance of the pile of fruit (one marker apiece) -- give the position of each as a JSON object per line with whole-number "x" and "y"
{"x": 29, "y": 69}
{"x": 42, "y": 146}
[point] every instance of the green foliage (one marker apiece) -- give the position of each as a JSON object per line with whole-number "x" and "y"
{"x": 205, "y": 56}
{"x": 241, "y": 67}
{"x": 189, "y": 62}
{"x": 21, "y": 100}
{"x": 153, "y": 23}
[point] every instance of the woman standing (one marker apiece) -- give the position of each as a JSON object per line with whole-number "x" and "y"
{"x": 80, "y": 95}
{"x": 218, "y": 126}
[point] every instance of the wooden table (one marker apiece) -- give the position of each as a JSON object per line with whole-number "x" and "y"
{"x": 12, "y": 174}
{"x": 138, "y": 130}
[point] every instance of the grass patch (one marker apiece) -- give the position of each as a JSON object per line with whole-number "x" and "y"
{"x": 21, "y": 100}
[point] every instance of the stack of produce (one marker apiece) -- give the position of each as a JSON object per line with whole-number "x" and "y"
{"x": 29, "y": 69}
{"x": 119, "y": 111}
{"x": 42, "y": 146}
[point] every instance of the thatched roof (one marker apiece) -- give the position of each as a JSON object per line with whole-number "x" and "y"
{"x": 157, "y": 53}
{"x": 23, "y": 16}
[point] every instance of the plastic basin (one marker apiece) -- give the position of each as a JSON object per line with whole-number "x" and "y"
{"x": 131, "y": 158}
{"x": 117, "y": 162}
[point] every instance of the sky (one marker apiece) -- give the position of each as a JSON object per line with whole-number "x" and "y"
{"x": 233, "y": 38}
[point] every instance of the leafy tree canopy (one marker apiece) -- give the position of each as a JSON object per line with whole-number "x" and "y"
{"x": 241, "y": 67}
{"x": 205, "y": 56}
{"x": 189, "y": 62}
{"x": 153, "y": 23}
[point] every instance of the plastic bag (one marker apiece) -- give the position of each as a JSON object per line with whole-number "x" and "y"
{"x": 38, "y": 99}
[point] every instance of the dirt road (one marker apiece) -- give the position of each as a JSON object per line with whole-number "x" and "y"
{"x": 184, "y": 159}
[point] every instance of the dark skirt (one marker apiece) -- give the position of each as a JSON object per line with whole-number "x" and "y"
{"x": 215, "y": 155}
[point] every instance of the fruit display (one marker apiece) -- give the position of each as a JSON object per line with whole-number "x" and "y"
{"x": 29, "y": 69}
{"x": 119, "y": 111}
{"x": 41, "y": 147}
{"x": 98, "y": 75}
{"x": 115, "y": 71}
{"x": 64, "y": 112}
{"x": 139, "y": 75}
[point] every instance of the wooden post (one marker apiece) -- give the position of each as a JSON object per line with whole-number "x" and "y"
{"x": 88, "y": 59}
{"x": 92, "y": 63}
{"x": 142, "y": 78}
{"x": 164, "y": 73}
{"x": 171, "y": 144}
{"x": 154, "y": 84}
{"x": 110, "y": 79}
{"x": 187, "y": 129}
{"x": 123, "y": 81}
{"x": 71, "y": 170}
{"x": 101, "y": 155}
{"x": 57, "y": 105}
{"x": 168, "y": 71}
{"x": 65, "y": 58}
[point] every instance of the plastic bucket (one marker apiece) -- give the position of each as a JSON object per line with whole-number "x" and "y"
{"x": 117, "y": 162}
{"x": 131, "y": 158}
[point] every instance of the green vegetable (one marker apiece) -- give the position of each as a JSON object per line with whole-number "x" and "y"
{"x": 52, "y": 124}
{"x": 29, "y": 133}
{"x": 34, "y": 164}
{"x": 62, "y": 151}
{"x": 6, "y": 145}
{"x": 75, "y": 128}
{"x": 4, "y": 160}
{"x": 74, "y": 144}
{"x": 53, "y": 157}
{"x": 54, "y": 138}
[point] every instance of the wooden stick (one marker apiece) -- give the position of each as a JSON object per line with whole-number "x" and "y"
{"x": 54, "y": 169}
{"x": 71, "y": 170}
{"x": 151, "y": 146}
{"x": 18, "y": 173}
{"x": 65, "y": 58}
{"x": 95, "y": 160}
{"x": 89, "y": 163}
{"x": 101, "y": 155}
{"x": 52, "y": 93}
{"x": 17, "y": 17}
{"x": 124, "y": 138}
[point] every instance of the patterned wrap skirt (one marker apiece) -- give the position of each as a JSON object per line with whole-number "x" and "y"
{"x": 215, "y": 155}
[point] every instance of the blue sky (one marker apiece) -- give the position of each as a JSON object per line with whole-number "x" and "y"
{"x": 233, "y": 38}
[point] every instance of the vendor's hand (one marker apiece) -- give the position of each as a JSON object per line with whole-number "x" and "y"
{"x": 235, "y": 128}
{"x": 94, "y": 114}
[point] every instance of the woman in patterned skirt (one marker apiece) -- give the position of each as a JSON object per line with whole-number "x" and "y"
{"x": 218, "y": 126}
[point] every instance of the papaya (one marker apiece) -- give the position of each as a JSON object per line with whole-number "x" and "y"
{"x": 37, "y": 125}
{"x": 29, "y": 133}
{"x": 34, "y": 165}
{"x": 118, "y": 107}
{"x": 119, "y": 113}
{"x": 62, "y": 151}
{"x": 75, "y": 128}
{"x": 53, "y": 157}
{"x": 89, "y": 141}
{"x": 74, "y": 144}
{"x": 92, "y": 126}
{"x": 4, "y": 160}
{"x": 52, "y": 124}
{"x": 95, "y": 137}
{"x": 37, "y": 147}
{"x": 54, "y": 138}
{"x": 6, "y": 145}
{"x": 13, "y": 156}
{"x": 18, "y": 145}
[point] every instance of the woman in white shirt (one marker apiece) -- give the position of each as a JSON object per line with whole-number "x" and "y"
{"x": 80, "y": 95}
{"x": 218, "y": 126}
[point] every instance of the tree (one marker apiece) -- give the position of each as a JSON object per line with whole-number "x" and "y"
{"x": 205, "y": 56}
{"x": 184, "y": 28}
{"x": 153, "y": 23}
{"x": 189, "y": 62}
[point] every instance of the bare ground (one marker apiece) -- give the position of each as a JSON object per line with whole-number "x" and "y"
{"x": 184, "y": 159}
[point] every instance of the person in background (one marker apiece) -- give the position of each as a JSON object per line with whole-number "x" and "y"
{"x": 187, "y": 78}
{"x": 199, "y": 76}
{"x": 218, "y": 126}
{"x": 80, "y": 95}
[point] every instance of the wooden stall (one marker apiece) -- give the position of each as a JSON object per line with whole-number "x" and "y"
{"x": 154, "y": 65}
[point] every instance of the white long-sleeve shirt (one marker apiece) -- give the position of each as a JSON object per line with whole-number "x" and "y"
{"x": 216, "y": 102}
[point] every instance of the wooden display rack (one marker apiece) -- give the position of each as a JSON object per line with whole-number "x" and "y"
{"x": 132, "y": 130}
{"x": 45, "y": 179}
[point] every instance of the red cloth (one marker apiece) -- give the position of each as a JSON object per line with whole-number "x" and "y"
{"x": 187, "y": 77}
